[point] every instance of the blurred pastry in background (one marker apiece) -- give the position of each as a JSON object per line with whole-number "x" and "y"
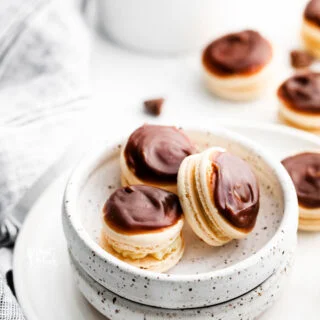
{"x": 142, "y": 226}
{"x": 238, "y": 66}
{"x": 152, "y": 156}
{"x": 219, "y": 195}
{"x": 301, "y": 59}
{"x": 304, "y": 169}
{"x": 299, "y": 101}
{"x": 310, "y": 32}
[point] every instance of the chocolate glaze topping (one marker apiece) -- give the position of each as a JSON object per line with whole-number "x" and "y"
{"x": 302, "y": 92}
{"x": 236, "y": 190}
{"x": 154, "y": 153}
{"x": 244, "y": 52}
{"x": 304, "y": 170}
{"x": 312, "y": 12}
{"x": 141, "y": 208}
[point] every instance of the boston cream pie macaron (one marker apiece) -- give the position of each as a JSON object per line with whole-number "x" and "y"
{"x": 299, "y": 101}
{"x": 237, "y": 66}
{"x": 152, "y": 156}
{"x": 142, "y": 226}
{"x": 304, "y": 169}
{"x": 311, "y": 27}
{"x": 219, "y": 194}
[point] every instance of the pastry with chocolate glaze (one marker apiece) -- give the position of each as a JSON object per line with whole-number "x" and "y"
{"x": 142, "y": 226}
{"x": 238, "y": 66}
{"x": 304, "y": 170}
{"x": 152, "y": 156}
{"x": 299, "y": 101}
{"x": 219, "y": 194}
{"x": 310, "y": 31}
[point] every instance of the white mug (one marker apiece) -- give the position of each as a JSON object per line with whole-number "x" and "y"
{"x": 157, "y": 26}
{"x": 179, "y": 26}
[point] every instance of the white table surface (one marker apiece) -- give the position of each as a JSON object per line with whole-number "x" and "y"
{"x": 122, "y": 80}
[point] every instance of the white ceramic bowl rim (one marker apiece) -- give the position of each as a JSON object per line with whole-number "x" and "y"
{"x": 89, "y": 162}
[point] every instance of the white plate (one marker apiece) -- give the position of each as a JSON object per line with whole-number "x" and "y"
{"x": 42, "y": 272}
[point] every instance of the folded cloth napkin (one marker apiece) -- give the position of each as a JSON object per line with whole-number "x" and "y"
{"x": 44, "y": 55}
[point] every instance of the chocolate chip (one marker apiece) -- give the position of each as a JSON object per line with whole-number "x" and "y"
{"x": 154, "y": 106}
{"x": 301, "y": 59}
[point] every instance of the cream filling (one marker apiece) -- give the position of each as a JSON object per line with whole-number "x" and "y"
{"x": 309, "y": 213}
{"x": 192, "y": 207}
{"x": 239, "y": 87}
{"x": 299, "y": 119}
{"x": 310, "y": 30}
{"x": 311, "y": 37}
{"x": 159, "y": 255}
{"x": 144, "y": 242}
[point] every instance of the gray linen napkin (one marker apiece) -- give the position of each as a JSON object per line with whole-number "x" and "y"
{"x": 44, "y": 55}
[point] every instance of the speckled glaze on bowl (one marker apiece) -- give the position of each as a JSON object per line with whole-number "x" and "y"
{"x": 205, "y": 276}
{"x": 247, "y": 307}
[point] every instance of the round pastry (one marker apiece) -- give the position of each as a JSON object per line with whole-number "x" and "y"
{"x": 304, "y": 169}
{"x": 152, "y": 156}
{"x": 299, "y": 98}
{"x": 142, "y": 226}
{"x": 311, "y": 28}
{"x": 238, "y": 66}
{"x": 219, "y": 195}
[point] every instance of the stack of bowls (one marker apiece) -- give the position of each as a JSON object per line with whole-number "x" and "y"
{"x": 240, "y": 278}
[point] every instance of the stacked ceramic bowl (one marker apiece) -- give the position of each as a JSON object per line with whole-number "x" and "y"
{"x": 237, "y": 280}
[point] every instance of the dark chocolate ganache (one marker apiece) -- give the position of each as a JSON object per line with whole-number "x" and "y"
{"x": 141, "y": 208}
{"x": 304, "y": 170}
{"x": 244, "y": 52}
{"x": 302, "y": 92}
{"x": 236, "y": 190}
{"x": 154, "y": 153}
{"x": 312, "y": 12}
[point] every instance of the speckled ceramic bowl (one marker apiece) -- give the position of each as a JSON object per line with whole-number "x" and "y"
{"x": 249, "y": 306}
{"x": 205, "y": 276}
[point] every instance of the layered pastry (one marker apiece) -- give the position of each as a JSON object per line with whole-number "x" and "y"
{"x": 304, "y": 169}
{"x": 311, "y": 28}
{"x": 238, "y": 66}
{"x": 299, "y": 101}
{"x": 152, "y": 156}
{"x": 142, "y": 226}
{"x": 219, "y": 194}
